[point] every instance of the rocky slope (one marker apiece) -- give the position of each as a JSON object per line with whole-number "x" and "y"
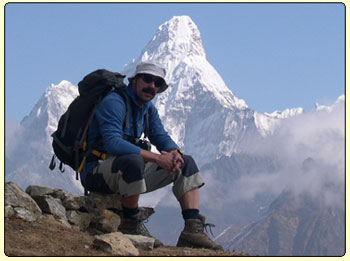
{"x": 45, "y": 221}
{"x": 46, "y": 237}
{"x": 294, "y": 227}
{"x": 298, "y": 222}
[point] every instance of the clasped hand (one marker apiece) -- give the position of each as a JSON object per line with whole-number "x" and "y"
{"x": 171, "y": 161}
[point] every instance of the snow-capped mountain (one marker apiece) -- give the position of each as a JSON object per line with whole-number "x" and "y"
{"x": 45, "y": 114}
{"x": 199, "y": 111}
{"x": 329, "y": 108}
{"x": 243, "y": 153}
{"x": 286, "y": 113}
{"x": 27, "y": 162}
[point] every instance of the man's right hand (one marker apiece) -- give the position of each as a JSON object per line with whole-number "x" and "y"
{"x": 178, "y": 161}
{"x": 165, "y": 160}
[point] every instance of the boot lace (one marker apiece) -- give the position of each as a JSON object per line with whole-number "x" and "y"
{"x": 210, "y": 226}
{"x": 141, "y": 228}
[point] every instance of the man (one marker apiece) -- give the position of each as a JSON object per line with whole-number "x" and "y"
{"x": 131, "y": 170}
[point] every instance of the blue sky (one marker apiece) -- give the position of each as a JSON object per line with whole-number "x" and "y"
{"x": 274, "y": 56}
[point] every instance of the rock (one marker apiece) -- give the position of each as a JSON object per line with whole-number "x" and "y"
{"x": 25, "y": 214}
{"x": 57, "y": 221}
{"x": 64, "y": 222}
{"x": 9, "y": 212}
{"x": 80, "y": 219}
{"x": 23, "y": 205}
{"x": 76, "y": 203}
{"x": 146, "y": 243}
{"x": 96, "y": 214}
{"x": 108, "y": 221}
{"x": 51, "y": 205}
{"x": 69, "y": 201}
{"x": 116, "y": 244}
{"x": 72, "y": 203}
{"x": 106, "y": 201}
{"x": 35, "y": 190}
{"x": 187, "y": 251}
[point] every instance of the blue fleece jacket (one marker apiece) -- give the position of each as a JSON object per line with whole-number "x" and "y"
{"x": 108, "y": 122}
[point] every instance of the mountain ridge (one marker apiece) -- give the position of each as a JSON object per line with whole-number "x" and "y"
{"x": 305, "y": 230}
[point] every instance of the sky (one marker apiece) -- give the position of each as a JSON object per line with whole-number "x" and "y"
{"x": 273, "y": 56}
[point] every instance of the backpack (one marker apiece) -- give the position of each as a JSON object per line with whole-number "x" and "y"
{"x": 69, "y": 140}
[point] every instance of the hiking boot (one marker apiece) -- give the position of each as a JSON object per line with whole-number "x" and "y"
{"x": 135, "y": 226}
{"x": 193, "y": 235}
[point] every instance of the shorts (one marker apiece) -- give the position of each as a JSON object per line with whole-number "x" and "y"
{"x": 130, "y": 175}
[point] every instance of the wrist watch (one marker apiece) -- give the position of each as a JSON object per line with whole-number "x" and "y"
{"x": 180, "y": 151}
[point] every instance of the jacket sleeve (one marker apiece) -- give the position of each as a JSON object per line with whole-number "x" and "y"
{"x": 157, "y": 134}
{"x": 110, "y": 116}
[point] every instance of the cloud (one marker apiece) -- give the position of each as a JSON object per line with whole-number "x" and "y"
{"x": 309, "y": 154}
{"x": 311, "y": 148}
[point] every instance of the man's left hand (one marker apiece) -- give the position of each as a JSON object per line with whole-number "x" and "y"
{"x": 178, "y": 161}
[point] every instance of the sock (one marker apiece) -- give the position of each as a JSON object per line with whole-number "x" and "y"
{"x": 130, "y": 212}
{"x": 190, "y": 213}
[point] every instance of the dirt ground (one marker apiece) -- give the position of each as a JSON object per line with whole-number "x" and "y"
{"x": 48, "y": 238}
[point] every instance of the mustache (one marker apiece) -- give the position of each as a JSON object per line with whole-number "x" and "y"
{"x": 149, "y": 90}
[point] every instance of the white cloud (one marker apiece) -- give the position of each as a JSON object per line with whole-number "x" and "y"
{"x": 310, "y": 152}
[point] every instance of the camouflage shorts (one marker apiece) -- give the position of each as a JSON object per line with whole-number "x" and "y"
{"x": 129, "y": 175}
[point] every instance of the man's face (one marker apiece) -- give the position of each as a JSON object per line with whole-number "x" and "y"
{"x": 146, "y": 87}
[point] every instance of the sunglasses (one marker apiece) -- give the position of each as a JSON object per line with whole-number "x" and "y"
{"x": 147, "y": 78}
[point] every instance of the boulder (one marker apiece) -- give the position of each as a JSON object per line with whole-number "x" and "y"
{"x": 23, "y": 206}
{"x": 69, "y": 201}
{"x": 73, "y": 202}
{"x": 35, "y": 190}
{"x": 143, "y": 242}
{"x": 9, "y": 212}
{"x": 51, "y": 205}
{"x": 80, "y": 219}
{"x": 108, "y": 221}
{"x": 116, "y": 244}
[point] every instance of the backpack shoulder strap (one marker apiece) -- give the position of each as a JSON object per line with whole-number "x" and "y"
{"x": 124, "y": 95}
{"x": 146, "y": 123}
{"x": 126, "y": 99}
